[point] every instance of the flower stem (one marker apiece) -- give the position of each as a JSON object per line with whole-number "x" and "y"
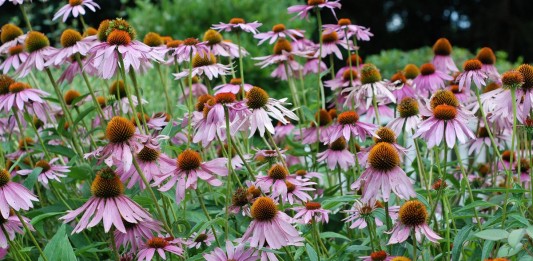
{"x": 128, "y": 92}
{"x": 230, "y": 169}
{"x": 91, "y": 91}
{"x": 321, "y": 96}
{"x": 241, "y": 67}
{"x": 25, "y": 17}
{"x": 465, "y": 179}
{"x": 509, "y": 178}
{"x": 206, "y": 213}
{"x": 28, "y": 231}
{"x": 113, "y": 244}
{"x": 165, "y": 88}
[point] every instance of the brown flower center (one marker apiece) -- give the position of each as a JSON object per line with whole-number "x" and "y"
{"x": 312, "y": 205}
{"x": 157, "y": 242}
{"x": 226, "y": 97}
{"x": 398, "y": 77}
{"x": 70, "y": 96}
{"x": 384, "y": 157}
{"x": 101, "y": 101}
{"x": 413, "y": 213}
{"x": 491, "y": 87}
{"x": 527, "y": 72}
{"x": 482, "y": 132}
{"x": 153, "y": 39}
{"x": 200, "y": 238}
{"x": 315, "y": 2}
{"x": 331, "y": 37}
{"x": 278, "y": 171}
{"x": 370, "y": 74}
{"x": 323, "y": 117}
{"x": 486, "y": 56}
{"x": 107, "y": 184}
{"x": 189, "y": 160}
{"x": 36, "y": 41}
{"x": 119, "y": 129}
{"x": 102, "y": 30}
{"x": 17, "y": 87}
{"x": 14, "y": 50}
{"x": 70, "y": 37}
{"x": 5, "y": 177}
{"x": 348, "y": 117}
{"x": 442, "y": 47}
{"x": 255, "y": 192}
{"x": 472, "y": 65}
{"x": 278, "y": 28}
{"x": 290, "y": 187}
{"x": 236, "y": 81}
{"x": 264, "y": 209}
{"x": 506, "y": 156}
{"x": 202, "y": 100}
{"x": 5, "y": 82}
{"x": 240, "y": 197}
{"x": 90, "y": 32}
{"x": 349, "y": 74}
{"x": 75, "y": 2}
{"x": 444, "y": 97}
{"x": 427, "y": 69}
{"x": 344, "y": 22}
{"x": 25, "y": 142}
{"x": 122, "y": 25}
{"x": 378, "y": 256}
{"x": 118, "y": 89}
{"x": 445, "y": 112}
{"x": 338, "y": 145}
{"x": 191, "y": 41}
{"x": 282, "y": 45}
{"x": 44, "y": 165}
{"x": 385, "y": 135}
{"x": 205, "y": 60}
{"x": 236, "y": 20}
{"x": 354, "y": 59}
{"x": 148, "y": 155}
{"x": 408, "y": 107}
{"x": 174, "y": 43}
{"x": 119, "y": 37}
{"x": 212, "y": 37}
{"x": 512, "y": 78}
{"x": 9, "y": 32}
{"x": 257, "y": 98}
{"x": 411, "y": 71}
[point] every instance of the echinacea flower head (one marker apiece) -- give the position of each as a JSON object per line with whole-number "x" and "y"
{"x": 429, "y": 80}
{"x": 5, "y": 82}
{"x": 153, "y": 39}
{"x": 298, "y": 192}
{"x": 50, "y": 171}
{"x": 232, "y": 253}
{"x": 345, "y": 27}
{"x": 380, "y": 255}
{"x": 13, "y": 226}
{"x": 186, "y": 170}
{"x": 275, "y": 181}
{"x": 409, "y": 116}
{"x": 15, "y": 57}
{"x": 24, "y": 98}
{"x": 348, "y": 126}
{"x": 218, "y": 46}
{"x": 136, "y": 234}
{"x": 199, "y": 239}
{"x": 472, "y": 73}
{"x": 159, "y": 245}
{"x": 262, "y": 107}
{"x": 204, "y": 64}
{"x": 442, "y": 49}
{"x": 488, "y": 60}
{"x": 234, "y": 86}
{"x": 513, "y": 78}
{"x": 76, "y": 7}
{"x": 38, "y": 47}
{"x": 278, "y": 31}
{"x": 186, "y": 49}
{"x": 372, "y": 86}
{"x": 412, "y": 216}
{"x": 384, "y": 175}
{"x": 107, "y": 197}
{"x": 270, "y": 226}
{"x": 411, "y": 71}
{"x": 13, "y": 195}
{"x": 237, "y": 25}
{"x": 10, "y": 36}
{"x": 311, "y": 212}
{"x": 302, "y": 11}
{"x": 337, "y": 154}
{"x": 447, "y": 121}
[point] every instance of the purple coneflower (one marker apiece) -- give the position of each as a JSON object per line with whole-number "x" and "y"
{"x": 219, "y": 46}
{"x": 232, "y": 253}
{"x": 330, "y": 40}
{"x": 401, "y": 86}
{"x": 204, "y": 64}
{"x": 412, "y": 215}
{"x": 21, "y": 96}
{"x": 349, "y": 78}
{"x": 409, "y": 116}
{"x": 159, "y": 245}
{"x": 384, "y": 175}
{"x": 187, "y": 169}
{"x": 311, "y": 211}
{"x": 10, "y": 36}
{"x": 16, "y": 56}
{"x": 197, "y": 240}
{"x": 12, "y": 225}
{"x": 136, "y": 233}
{"x": 430, "y": 80}
{"x": 234, "y": 86}
{"x": 348, "y": 126}
{"x": 278, "y": 31}
{"x": 472, "y": 72}
{"x": 49, "y": 171}
{"x": 488, "y": 59}
{"x": 310, "y": 134}
{"x": 262, "y": 107}
{"x": 152, "y": 163}
{"x": 347, "y": 29}
{"x": 337, "y": 154}
{"x": 483, "y": 140}
{"x": 38, "y": 47}
{"x": 383, "y": 134}
{"x": 76, "y": 7}
{"x": 237, "y": 25}
{"x": 107, "y": 197}
{"x": 271, "y": 226}
{"x": 303, "y": 10}
{"x": 372, "y": 85}
{"x": 447, "y": 121}
{"x": 275, "y": 182}
{"x": 298, "y": 192}
{"x": 360, "y": 211}
{"x": 73, "y": 44}
{"x": 13, "y": 195}
{"x": 442, "y": 49}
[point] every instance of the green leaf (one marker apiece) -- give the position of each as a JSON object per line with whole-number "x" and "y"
{"x": 515, "y": 237}
{"x": 311, "y": 252}
{"x": 507, "y": 250}
{"x": 351, "y": 249}
{"x": 83, "y": 114}
{"x": 477, "y": 204}
{"x": 32, "y": 178}
{"x": 298, "y": 253}
{"x": 493, "y": 234}
{"x": 333, "y": 235}
{"x": 81, "y": 172}
{"x": 59, "y": 247}
{"x": 62, "y": 150}
{"x": 460, "y": 238}
{"x": 487, "y": 248}
{"x": 44, "y": 216}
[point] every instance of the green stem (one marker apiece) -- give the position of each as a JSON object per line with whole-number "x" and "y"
{"x": 321, "y": 96}
{"x": 91, "y": 91}
{"x": 509, "y": 178}
{"x": 206, "y": 213}
{"x": 241, "y": 67}
{"x": 28, "y": 231}
{"x": 465, "y": 180}
{"x": 25, "y": 17}
{"x": 165, "y": 88}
